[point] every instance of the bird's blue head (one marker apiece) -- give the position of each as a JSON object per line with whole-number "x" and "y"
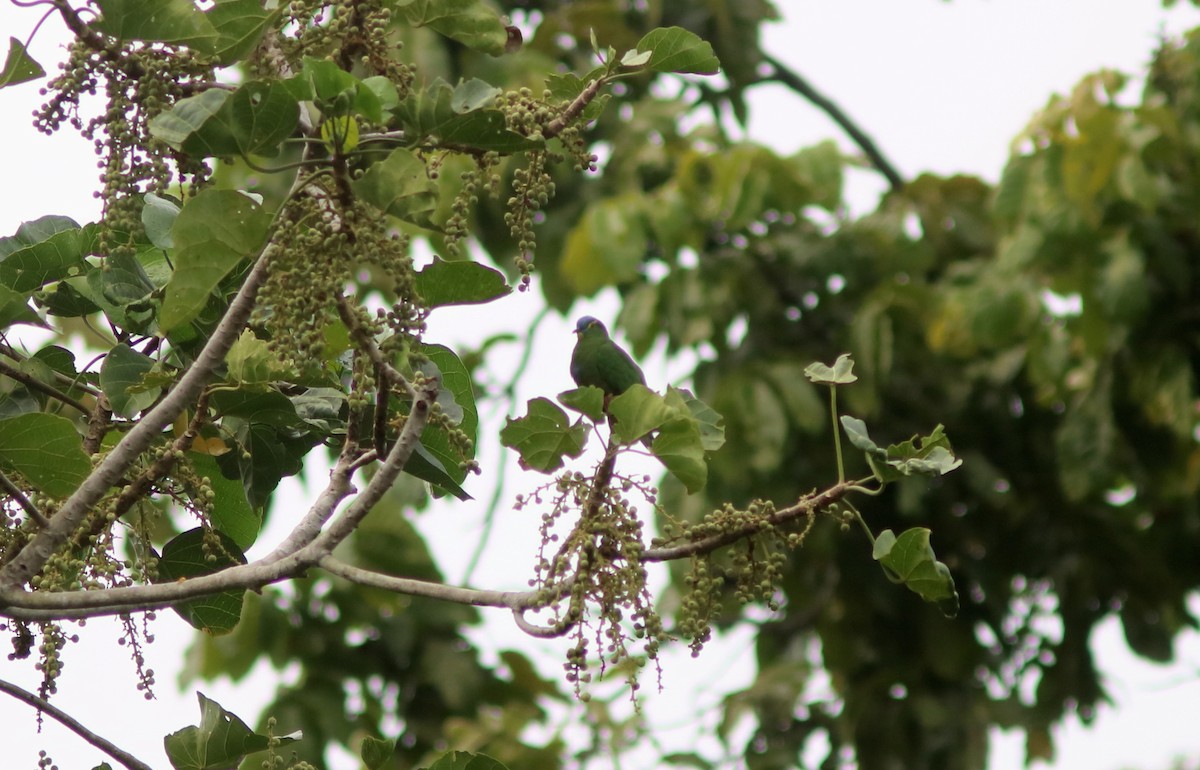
{"x": 585, "y": 322}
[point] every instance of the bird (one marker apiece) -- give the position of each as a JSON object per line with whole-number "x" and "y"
{"x": 600, "y": 362}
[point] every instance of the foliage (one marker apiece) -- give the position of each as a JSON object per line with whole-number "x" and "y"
{"x": 253, "y": 284}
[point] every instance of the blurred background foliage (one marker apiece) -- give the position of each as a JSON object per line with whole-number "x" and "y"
{"x": 1049, "y": 321}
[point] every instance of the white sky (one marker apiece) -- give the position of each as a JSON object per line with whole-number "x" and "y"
{"x": 941, "y": 87}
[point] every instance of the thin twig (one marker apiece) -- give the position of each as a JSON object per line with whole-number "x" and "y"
{"x": 72, "y": 724}
{"x": 784, "y": 75}
{"x": 70, "y": 382}
{"x": 34, "y": 383}
{"x": 26, "y": 504}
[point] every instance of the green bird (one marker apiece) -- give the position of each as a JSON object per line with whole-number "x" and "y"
{"x": 598, "y": 361}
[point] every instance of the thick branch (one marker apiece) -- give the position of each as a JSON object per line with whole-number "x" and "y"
{"x": 279, "y": 565}
{"x": 46, "y": 707}
{"x": 282, "y": 566}
{"x": 782, "y": 74}
{"x": 339, "y": 486}
{"x": 513, "y": 600}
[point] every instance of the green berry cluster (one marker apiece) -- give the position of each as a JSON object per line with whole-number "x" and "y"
{"x": 321, "y": 248}
{"x": 481, "y": 177}
{"x": 533, "y": 186}
{"x": 139, "y": 83}
{"x": 608, "y": 604}
{"x": 532, "y": 189}
{"x": 752, "y": 566}
{"x": 132, "y": 637}
{"x": 50, "y": 661}
{"x": 353, "y": 32}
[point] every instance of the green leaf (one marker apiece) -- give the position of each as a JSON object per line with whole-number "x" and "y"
{"x": 199, "y": 125}
{"x": 375, "y": 752}
{"x": 375, "y": 96}
{"x": 636, "y": 59}
{"x": 428, "y": 466}
{"x": 45, "y": 449}
{"x": 544, "y": 436}
{"x": 157, "y": 21}
{"x": 638, "y": 411}
{"x": 64, "y": 299}
{"x": 929, "y": 455}
{"x": 460, "y": 283}
{"x": 251, "y": 363}
{"x": 454, "y": 116}
{"x": 263, "y": 115}
{"x": 679, "y": 447}
{"x": 121, "y": 379}
{"x": 231, "y": 511}
{"x": 196, "y": 553}
{"x": 14, "y": 309}
{"x": 322, "y": 81}
{"x": 472, "y": 95}
{"x": 400, "y": 186}
{"x": 437, "y": 460}
{"x": 841, "y": 373}
{"x": 588, "y": 401}
{"x": 239, "y": 25}
{"x": 253, "y": 120}
{"x": 456, "y": 396}
{"x": 158, "y": 217}
{"x": 465, "y": 760}
{"x": 921, "y": 455}
{"x": 269, "y": 407}
{"x": 909, "y": 559}
{"x": 710, "y": 423}
{"x": 471, "y": 22}
{"x": 220, "y": 741}
{"x": 674, "y": 49}
{"x": 856, "y": 430}
{"x": 215, "y": 232}
{"x": 44, "y": 250}
{"x": 339, "y": 133}
{"x": 19, "y": 67}
{"x": 264, "y": 455}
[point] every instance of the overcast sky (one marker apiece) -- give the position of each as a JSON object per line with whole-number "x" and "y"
{"x": 942, "y": 87}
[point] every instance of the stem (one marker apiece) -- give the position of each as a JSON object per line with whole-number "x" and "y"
{"x": 15, "y": 493}
{"x": 861, "y": 522}
{"x": 837, "y": 433}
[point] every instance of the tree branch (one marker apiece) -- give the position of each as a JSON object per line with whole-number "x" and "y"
{"x": 66, "y": 521}
{"x": 805, "y": 506}
{"x": 34, "y": 383}
{"x": 13, "y": 491}
{"x": 783, "y": 75}
{"x": 46, "y": 707}
{"x": 281, "y": 565}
